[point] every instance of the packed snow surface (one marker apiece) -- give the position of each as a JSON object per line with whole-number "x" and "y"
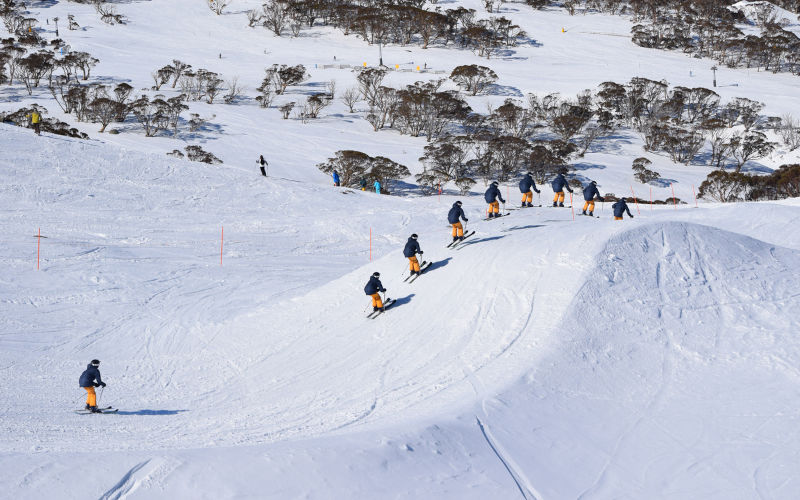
{"x": 550, "y": 356}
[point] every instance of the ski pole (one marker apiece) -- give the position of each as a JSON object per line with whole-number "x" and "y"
{"x": 100, "y": 396}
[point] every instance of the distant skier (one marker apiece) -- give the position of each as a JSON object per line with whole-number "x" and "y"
{"x": 263, "y": 165}
{"x": 410, "y": 252}
{"x": 36, "y": 121}
{"x": 454, "y": 217}
{"x": 589, "y": 192}
{"x": 620, "y": 207}
{"x": 90, "y": 378}
{"x": 558, "y": 184}
{"x": 525, "y": 186}
{"x": 336, "y": 178}
{"x": 491, "y": 196}
{"x": 363, "y": 184}
{"x": 377, "y": 187}
{"x": 373, "y": 289}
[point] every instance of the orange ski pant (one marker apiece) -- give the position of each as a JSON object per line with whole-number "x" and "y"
{"x": 413, "y": 263}
{"x": 527, "y": 197}
{"x": 590, "y": 205}
{"x": 494, "y": 207}
{"x": 458, "y": 229}
{"x": 376, "y": 300}
{"x": 91, "y": 398}
{"x": 617, "y": 218}
{"x": 559, "y": 197}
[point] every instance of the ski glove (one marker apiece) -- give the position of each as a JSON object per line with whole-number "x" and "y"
{"x": 96, "y": 384}
{"x": 420, "y": 252}
{"x": 102, "y": 384}
{"x": 631, "y": 216}
{"x": 466, "y": 220}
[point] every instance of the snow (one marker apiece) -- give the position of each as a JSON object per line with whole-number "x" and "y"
{"x": 546, "y": 358}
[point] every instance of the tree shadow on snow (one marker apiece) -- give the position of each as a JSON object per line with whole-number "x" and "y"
{"x": 151, "y": 412}
{"x": 504, "y": 90}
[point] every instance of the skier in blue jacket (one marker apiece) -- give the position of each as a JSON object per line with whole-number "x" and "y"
{"x": 336, "y": 178}
{"x": 525, "y": 186}
{"x": 90, "y": 378}
{"x": 558, "y": 184}
{"x": 454, "y": 217}
{"x": 491, "y": 196}
{"x": 410, "y": 252}
{"x": 377, "y": 187}
{"x": 589, "y": 192}
{"x": 373, "y": 289}
{"x": 620, "y": 207}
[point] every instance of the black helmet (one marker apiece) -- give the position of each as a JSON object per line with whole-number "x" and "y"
{"x": 530, "y": 173}
{"x": 458, "y": 203}
{"x": 95, "y": 362}
{"x": 414, "y": 236}
{"x": 376, "y": 274}
{"x": 495, "y": 183}
{"x": 594, "y": 182}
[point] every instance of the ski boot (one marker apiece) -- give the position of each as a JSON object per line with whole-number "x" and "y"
{"x": 529, "y": 205}
{"x": 375, "y": 308}
{"x": 583, "y": 213}
{"x": 561, "y": 204}
{"x": 591, "y": 214}
{"x": 95, "y": 409}
{"x": 455, "y": 238}
{"x": 555, "y": 203}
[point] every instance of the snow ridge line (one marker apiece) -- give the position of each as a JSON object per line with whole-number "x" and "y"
{"x": 125, "y": 485}
{"x": 526, "y": 494}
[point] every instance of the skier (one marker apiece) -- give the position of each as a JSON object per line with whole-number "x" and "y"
{"x": 373, "y": 288}
{"x": 453, "y": 216}
{"x": 525, "y": 186}
{"x": 90, "y": 378}
{"x": 558, "y": 184}
{"x": 36, "y": 121}
{"x": 363, "y": 184}
{"x": 410, "y": 252}
{"x": 491, "y": 196}
{"x": 261, "y": 161}
{"x": 589, "y": 192}
{"x": 336, "y": 178}
{"x": 377, "y": 187}
{"x": 620, "y": 207}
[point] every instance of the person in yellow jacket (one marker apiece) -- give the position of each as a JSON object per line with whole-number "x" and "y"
{"x": 36, "y": 121}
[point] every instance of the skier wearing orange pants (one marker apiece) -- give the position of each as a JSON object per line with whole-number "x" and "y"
{"x": 454, "y": 217}
{"x": 90, "y": 378}
{"x": 410, "y": 252}
{"x": 589, "y": 192}
{"x": 373, "y": 289}
{"x": 558, "y": 185}
{"x": 491, "y": 196}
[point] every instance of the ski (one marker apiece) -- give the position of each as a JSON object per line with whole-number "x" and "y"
{"x": 587, "y": 215}
{"x": 102, "y": 410}
{"x": 421, "y": 265}
{"x": 421, "y": 270}
{"x": 386, "y": 305}
{"x": 497, "y": 217}
{"x": 455, "y": 242}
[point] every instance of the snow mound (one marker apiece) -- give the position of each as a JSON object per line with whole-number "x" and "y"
{"x": 678, "y": 373}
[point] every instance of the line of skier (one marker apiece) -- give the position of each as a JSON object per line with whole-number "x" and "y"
{"x": 493, "y": 197}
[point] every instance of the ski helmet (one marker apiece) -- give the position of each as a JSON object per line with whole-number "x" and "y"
{"x": 458, "y": 203}
{"x": 495, "y": 183}
{"x": 414, "y": 236}
{"x": 529, "y": 173}
{"x": 594, "y": 182}
{"x": 376, "y": 274}
{"x": 95, "y": 362}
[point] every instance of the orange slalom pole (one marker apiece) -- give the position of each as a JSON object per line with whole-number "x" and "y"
{"x": 635, "y": 201}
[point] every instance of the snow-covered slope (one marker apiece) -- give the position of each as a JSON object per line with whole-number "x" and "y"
{"x": 550, "y": 358}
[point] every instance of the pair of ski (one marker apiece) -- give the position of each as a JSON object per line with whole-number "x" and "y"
{"x": 107, "y": 409}
{"x": 587, "y": 215}
{"x": 526, "y": 206}
{"x": 497, "y": 216}
{"x": 455, "y": 243}
{"x": 422, "y": 267}
{"x": 386, "y": 305}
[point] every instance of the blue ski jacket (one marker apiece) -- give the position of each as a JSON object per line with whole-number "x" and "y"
{"x": 492, "y": 194}
{"x": 559, "y": 183}
{"x": 621, "y": 207}
{"x": 455, "y": 214}
{"x": 590, "y": 191}
{"x": 526, "y": 184}
{"x": 89, "y": 376}
{"x": 412, "y": 248}
{"x": 373, "y": 286}
{"x": 336, "y": 178}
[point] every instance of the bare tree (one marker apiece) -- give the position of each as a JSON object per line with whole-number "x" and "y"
{"x": 217, "y": 6}
{"x": 350, "y": 97}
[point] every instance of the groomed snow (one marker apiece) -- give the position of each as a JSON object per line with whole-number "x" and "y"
{"x": 654, "y": 357}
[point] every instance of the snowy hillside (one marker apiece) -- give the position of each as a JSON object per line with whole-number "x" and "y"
{"x": 548, "y": 356}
